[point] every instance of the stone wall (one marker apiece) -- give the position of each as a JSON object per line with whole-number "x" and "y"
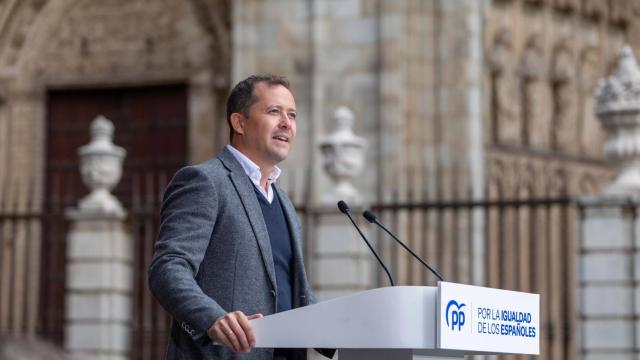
{"x": 404, "y": 68}
{"x": 608, "y": 274}
{"x": 411, "y": 71}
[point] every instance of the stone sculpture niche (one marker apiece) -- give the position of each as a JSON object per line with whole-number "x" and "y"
{"x": 536, "y": 112}
{"x": 505, "y": 97}
{"x": 564, "y": 133}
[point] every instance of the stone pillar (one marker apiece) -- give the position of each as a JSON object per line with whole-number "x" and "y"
{"x": 342, "y": 263}
{"x": 609, "y": 274}
{"x": 98, "y": 299}
{"x": 608, "y": 279}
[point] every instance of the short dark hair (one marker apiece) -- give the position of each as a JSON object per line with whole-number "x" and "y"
{"x": 242, "y": 97}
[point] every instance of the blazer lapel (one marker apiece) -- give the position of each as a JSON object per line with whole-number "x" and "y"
{"x": 245, "y": 189}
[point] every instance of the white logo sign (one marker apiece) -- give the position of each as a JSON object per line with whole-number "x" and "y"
{"x": 484, "y": 319}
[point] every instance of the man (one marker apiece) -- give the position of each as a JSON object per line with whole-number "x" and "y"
{"x": 229, "y": 245}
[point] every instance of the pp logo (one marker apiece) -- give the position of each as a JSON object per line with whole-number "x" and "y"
{"x": 457, "y": 315}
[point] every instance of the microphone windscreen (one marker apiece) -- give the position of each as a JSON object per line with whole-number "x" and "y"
{"x": 369, "y": 216}
{"x": 344, "y": 208}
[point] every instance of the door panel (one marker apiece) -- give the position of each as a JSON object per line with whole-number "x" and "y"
{"x": 151, "y": 124}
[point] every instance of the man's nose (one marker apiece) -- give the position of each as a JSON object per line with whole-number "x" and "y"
{"x": 285, "y": 121}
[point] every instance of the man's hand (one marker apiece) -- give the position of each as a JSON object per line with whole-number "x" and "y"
{"x": 234, "y": 331}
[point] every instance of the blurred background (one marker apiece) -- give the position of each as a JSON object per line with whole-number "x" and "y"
{"x": 472, "y": 128}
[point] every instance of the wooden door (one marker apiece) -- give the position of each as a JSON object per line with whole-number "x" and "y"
{"x": 151, "y": 124}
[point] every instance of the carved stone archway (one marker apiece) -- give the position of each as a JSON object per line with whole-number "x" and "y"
{"x": 59, "y": 44}
{"x": 79, "y": 43}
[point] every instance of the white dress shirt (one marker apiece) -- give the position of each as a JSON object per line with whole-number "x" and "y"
{"x": 253, "y": 172}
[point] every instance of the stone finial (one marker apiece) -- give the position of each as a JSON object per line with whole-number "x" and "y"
{"x": 343, "y": 153}
{"x": 101, "y": 169}
{"x": 620, "y": 92}
{"x": 618, "y": 108}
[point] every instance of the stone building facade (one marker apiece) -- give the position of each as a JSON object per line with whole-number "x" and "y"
{"x": 457, "y": 99}
{"x": 544, "y": 59}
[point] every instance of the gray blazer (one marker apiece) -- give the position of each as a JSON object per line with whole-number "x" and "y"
{"x": 213, "y": 256}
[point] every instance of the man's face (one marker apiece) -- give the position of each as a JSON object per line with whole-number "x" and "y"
{"x": 269, "y": 131}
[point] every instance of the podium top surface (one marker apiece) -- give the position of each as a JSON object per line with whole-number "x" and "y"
{"x": 400, "y": 317}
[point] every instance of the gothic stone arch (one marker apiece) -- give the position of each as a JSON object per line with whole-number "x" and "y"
{"x": 81, "y": 43}
{"x": 52, "y": 44}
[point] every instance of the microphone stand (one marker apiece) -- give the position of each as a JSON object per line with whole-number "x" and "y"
{"x": 344, "y": 208}
{"x": 373, "y": 219}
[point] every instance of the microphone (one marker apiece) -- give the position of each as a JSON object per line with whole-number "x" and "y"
{"x": 373, "y": 219}
{"x": 344, "y": 208}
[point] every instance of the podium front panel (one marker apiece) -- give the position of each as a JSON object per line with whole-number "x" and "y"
{"x": 474, "y": 318}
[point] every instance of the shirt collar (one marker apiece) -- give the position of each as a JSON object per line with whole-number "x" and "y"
{"x": 251, "y": 169}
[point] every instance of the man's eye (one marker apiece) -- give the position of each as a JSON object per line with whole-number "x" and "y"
{"x": 292, "y": 115}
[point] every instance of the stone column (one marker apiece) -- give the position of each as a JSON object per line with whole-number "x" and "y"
{"x": 342, "y": 263}
{"x": 99, "y": 291}
{"x": 609, "y": 274}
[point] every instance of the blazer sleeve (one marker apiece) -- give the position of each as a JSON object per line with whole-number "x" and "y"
{"x": 187, "y": 219}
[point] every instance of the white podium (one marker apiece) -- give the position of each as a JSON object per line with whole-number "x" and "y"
{"x": 410, "y": 322}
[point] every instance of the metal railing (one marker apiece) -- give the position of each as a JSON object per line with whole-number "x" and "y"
{"x": 20, "y": 248}
{"x": 518, "y": 244}
{"x": 524, "y": 244}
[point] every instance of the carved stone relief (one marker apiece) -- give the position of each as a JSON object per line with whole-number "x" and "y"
{"x": 557, "y": 181}
{"x": 556, "y": 79}
{"x": 535, "y": 2}
{"x": 595, "y": 9}
{"x": 119, "y": 37}
{"x": 591, "y": 134}
{"x": 620, "y": 11}
{"x": 588, "y": 184}
{"x": 496, "y": 178}
{"x": 19, "y": 20}
{"x": 526, "y": 182}
{"x": 502, "y": 176}
{"x": 564, "y": 133}
{"x": 566, "y": 5}
{"x": 536, "y": 111}
{"x": 504, "y": 90}
{"x": 509, "y": 176}
{"x": 513, "y": 176}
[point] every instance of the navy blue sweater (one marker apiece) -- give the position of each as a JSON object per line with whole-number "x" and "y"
{"x": 280, "y": 239}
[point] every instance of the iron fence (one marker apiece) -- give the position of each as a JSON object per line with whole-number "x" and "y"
{"x": 521, "y": 244}
{"x": 526, "y": 245}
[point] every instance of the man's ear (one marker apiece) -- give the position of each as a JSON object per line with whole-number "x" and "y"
{"x": 237, "y": 122}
